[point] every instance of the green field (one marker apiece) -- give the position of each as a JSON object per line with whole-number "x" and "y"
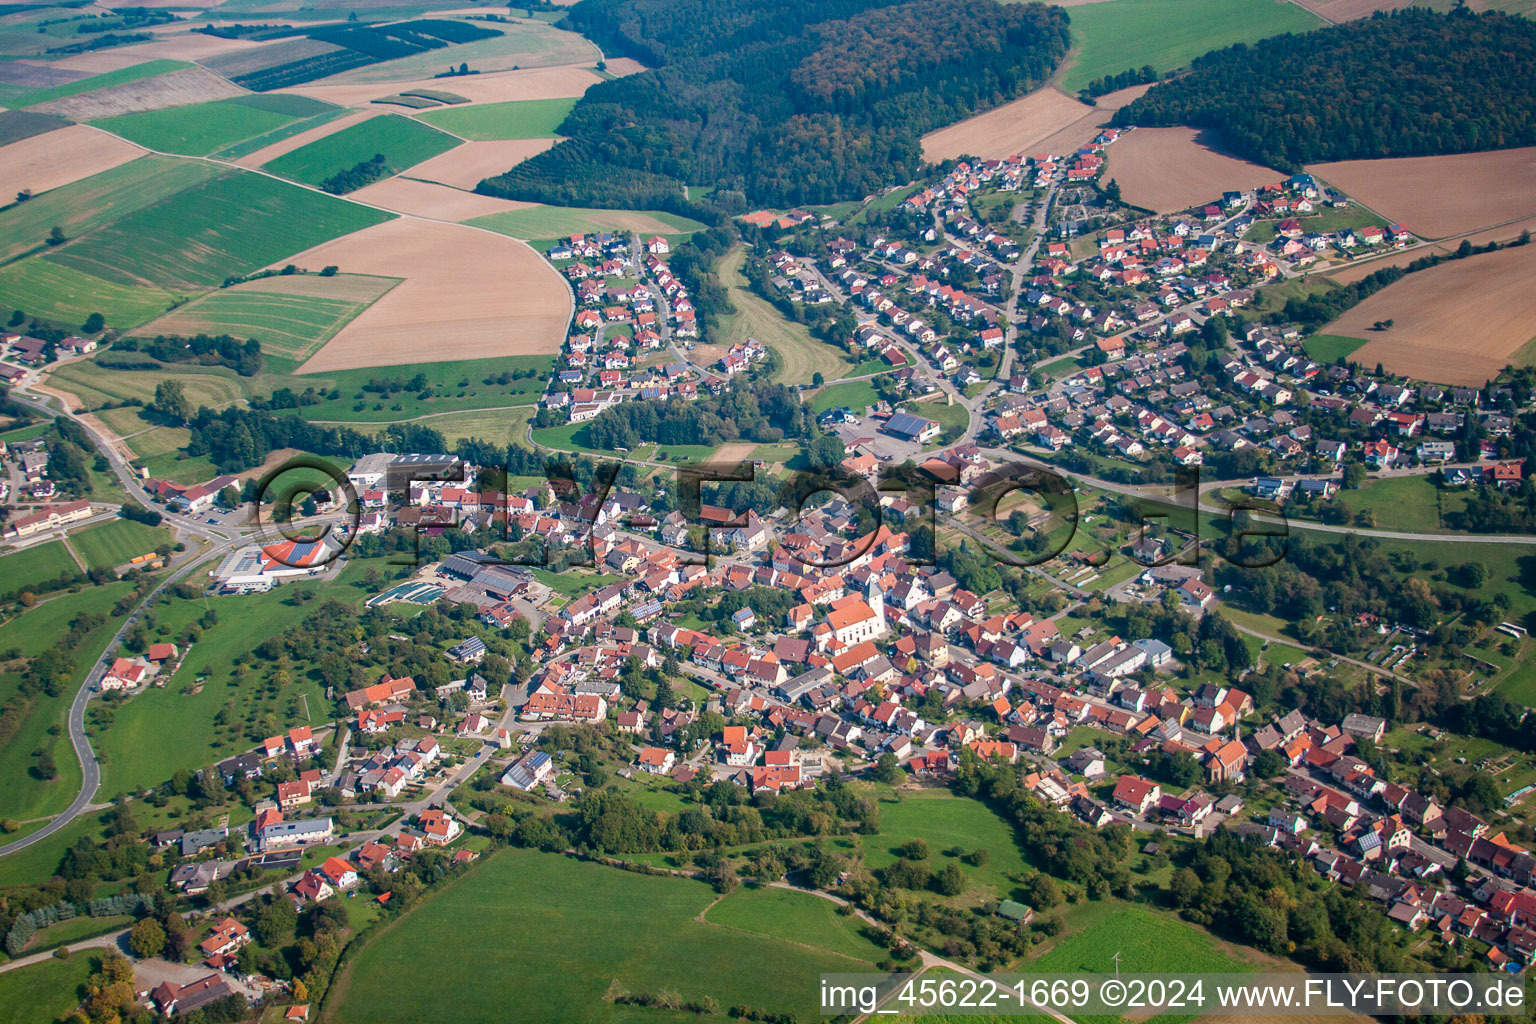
{"x": 82, "y": 206}
{"x": 1122, "y": 34}
{"x": 404, "y": 142}
{"x": 166, "y": 728}
{"x": 290, "y": 326}
{"x": 855, "y": 394}
{"x": 1149, "y": 943}
{"x": 24, "y": 795}
{"x": 1330, "y": 348}
{"x": 798, "y": 917}
{"x": 233, "y": 224}
{"x": 202, "y": 128}
{"x": 36, "y": 564}
{"x": 521, "y": 45}
{"x": 117, "y": 542}
{"x": 149, "y": 69}
{"x": 43, "y": 992}
{"x": 801, "y": 356}
{"x": 559, "y": 221}
{"x": 555, "y": 950}
{"x": 287, "y": 131}
{"x": 517, "y": 119}
{"x": 68, "y": 296}
{"x": 943, "y": 820}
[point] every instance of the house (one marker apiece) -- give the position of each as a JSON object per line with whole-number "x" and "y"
{"x": 438, "y": 828}
{"x": 1136, "y": 794}
{"x": 172, "y": 999}
{"x": 339, "y": 874}
{"x": 227, "y": 936}
{"x": 657, "y": 760}
{"x": 911, "y": 428}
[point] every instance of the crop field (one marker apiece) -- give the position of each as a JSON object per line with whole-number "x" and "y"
{"x": 232, "y": 224}
{"x": 91, "y": 83}
{"x": 25, "y": 795}
{"x": 431, "y": 199}
{"x": 1013, "y": 128}
{"x": 56, "y": 158}
{"x": 453, "y": 302}
{"x": 1118, "y": 35}
{"x": 94, "y": 201}
{"x": 1329, "y": 348}
{"x": 1431, "y": 312}
{"x": 797, "y": 917}
{"x": 1442, "y": 196}
{"x": 16, "y": 125}
{"x": 519, "y": 119}
{"x": 556, "y": 221}
{"x": 1168, "y": 169}
{"x": 495, "y": 87}
{"x": 173, "y": 89}
{"x": 118, "y": 542}
{"x": 520, "y": 45}
{"x": 1347, "y": 10}
{"x": 472, "y": 162}
{"x": 266, "y": 148}
{"x": 291, "y": 316}
{"x": 403, "y": 142}
{"x": 565, "y": 949}
{"x": 44, "y": 288}
{"x": 202, "y": 128}
{"x": 268, "y": 55}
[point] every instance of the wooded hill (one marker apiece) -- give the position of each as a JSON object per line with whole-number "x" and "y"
{"x": 1410, "y": 83}
{"x": 780, "y": 103}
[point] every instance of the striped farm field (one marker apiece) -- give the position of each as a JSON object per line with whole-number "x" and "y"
{"x": 118, "y": 542}
{"x": 199, "y": 237}
{"x": 291, "y": 316}
{"x": 404, "y": 142}
{"x": 43, "y": 288}
{"x": 202, "y": 128}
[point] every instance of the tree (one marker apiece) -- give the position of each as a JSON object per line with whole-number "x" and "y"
{"x": 56, "y": 236}
{"x": 1354, "y": 475}
{"x": 171, "y": 402}
{"x": 147, "y": 938}
{"x": 950, "y": 881}
{"x": 886, "y": 769}
{"x": 93, "y": 323}
{"x": 277, "y": 923}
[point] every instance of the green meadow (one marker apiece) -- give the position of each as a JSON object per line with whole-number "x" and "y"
{"x": 516, "y": 119}
{"x": 553, "y": 951}
{"x": 201, "y": 128}
{"x": 117, "y": 542}
{"x": 1122, "y": 34}
{"x": 403, "y": 141}
{"x": 149, "y": 69}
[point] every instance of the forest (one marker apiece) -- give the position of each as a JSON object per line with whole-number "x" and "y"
{"x": 1410, "y": 83}
{"x": 779, "y": 103}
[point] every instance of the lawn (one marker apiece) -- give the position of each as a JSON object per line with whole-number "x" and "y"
{"x": 497, "y": 426}
{"x": 517, "y": 119}
{"x": 25, "y": 795}
{"x": 1122, "y": 34}
{"x": 1148, "y": 943}
{"x": 943, "y": 820}
{"x": 573, "y": 582}
{"x": 1330, "y": 348}
{"x": 801, "y": 356}
{"x": 555, "y": 950}
{"x": 67, "y": 295}
{"x": 43, "y": 991}
{"x": 149, "y": 69}
{"x": 233, "y": 224}
{"x": 857, "y": 395}
{"x": 1400, "y": 503}
{"x": 454, "y": 386}
{"x": 796, "y": 916}
{"x": 201, "y": 128}
{"x": 404, "y": 142}
{"x": 37, "y": 564}
{"x": 169, "y": 728}
{"x": 112, "y": 544}
{"x": 558, "y": 221}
